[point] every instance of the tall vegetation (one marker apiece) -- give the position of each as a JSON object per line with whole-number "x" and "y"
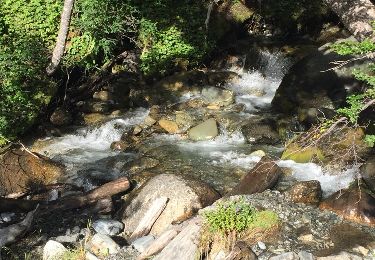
{"x": 166, "y": 32}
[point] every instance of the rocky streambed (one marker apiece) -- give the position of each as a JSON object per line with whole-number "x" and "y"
{"x": 203, "y": 132}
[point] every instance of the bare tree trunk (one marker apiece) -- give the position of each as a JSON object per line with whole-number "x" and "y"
{"x": 356, "y": 15}
{"x": 58, "y": 51}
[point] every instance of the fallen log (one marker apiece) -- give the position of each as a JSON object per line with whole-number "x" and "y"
{"x": 15, "y": 205}
{"x": 157, "y": 207}
{"x": 78, "y": 201}
{"x": 13, "y": 232}
{"x": 263, "y": 176}
{"x": 70, "y": 202}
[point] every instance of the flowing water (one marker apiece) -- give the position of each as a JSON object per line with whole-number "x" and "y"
{"x": 220, "y": 162}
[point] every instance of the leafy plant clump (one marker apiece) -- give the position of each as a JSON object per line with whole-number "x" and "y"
{"x": 359, "y": 102}
{"x": 238, "y": 217}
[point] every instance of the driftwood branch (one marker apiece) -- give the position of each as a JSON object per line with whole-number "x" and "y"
{"x": 152, "y": 214}
{"x": 71, "y": 202}
{"x": 13, "y": 232}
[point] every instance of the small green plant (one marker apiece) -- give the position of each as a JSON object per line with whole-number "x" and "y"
{"x": 370, "y": 140}
{"x": 238, "y": 216}
{"x": 237, "y": 219}
{"x": 228, "y": 217}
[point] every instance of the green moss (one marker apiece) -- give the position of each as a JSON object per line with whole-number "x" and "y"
{"x": 302, "y": 155}
{"x": 240, "y": 12}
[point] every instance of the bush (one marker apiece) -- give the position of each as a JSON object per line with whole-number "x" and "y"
{"x": 172, "y": 37}
{"x": 95, "y": 36}
{"x": 28, "y": 32}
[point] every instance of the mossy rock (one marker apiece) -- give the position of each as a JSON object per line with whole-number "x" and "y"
{"x": 302, "y": 155}
{"x": 240, "y": 12}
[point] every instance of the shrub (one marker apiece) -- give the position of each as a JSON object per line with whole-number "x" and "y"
{"x": 172, "y": 36}
{"x": 28, "y": 32}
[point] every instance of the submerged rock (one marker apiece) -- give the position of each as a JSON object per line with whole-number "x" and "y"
{"x": 260, "y": 131}
{"x": 264, "y": 175}
{"x": 21, "y": 171}
{"x": 217, "y": 96}
{"x": 355, "y": 203}
{"x": 186, "y": 197}
{"x": 204, "y": 131}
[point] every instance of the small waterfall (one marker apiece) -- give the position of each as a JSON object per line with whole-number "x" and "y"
{"x": 209, "y": 10}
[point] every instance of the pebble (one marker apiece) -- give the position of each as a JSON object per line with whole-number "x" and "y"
{"x": 53, "y": 250}
{"x": 142, "y": 243}
{"x": 108, "y": 227}
{"x": 262, "y": 246}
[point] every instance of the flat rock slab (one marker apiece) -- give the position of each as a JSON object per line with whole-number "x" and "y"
{"x": 204, "y": 131}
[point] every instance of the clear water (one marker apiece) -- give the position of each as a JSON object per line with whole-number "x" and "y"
{"x": 220, "y": 162}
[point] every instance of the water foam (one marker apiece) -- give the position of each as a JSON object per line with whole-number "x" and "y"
{"x": 87, "y": 145}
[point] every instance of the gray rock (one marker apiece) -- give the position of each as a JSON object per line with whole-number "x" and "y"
{"x": 142, "y": 243}
{"x": 218, "y": 97}
{"x": 204, "y": 131}
{"x": 341, "y": 256}
{"x": 67, "y": 238}
{"x": 102, "y": 244}
{"x": 303, "y": 255}
{"x": 186, "y": 196}
{"x": 285, "y": 256}
{"x": 53, "y": 250}
{"x": 108, "y": 227}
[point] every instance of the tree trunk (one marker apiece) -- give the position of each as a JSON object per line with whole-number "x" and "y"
{"x": 356, "y": 15}
{"x": 58, "y": 51}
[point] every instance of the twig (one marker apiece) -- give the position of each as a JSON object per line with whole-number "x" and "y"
{"x": 342, "y": 63}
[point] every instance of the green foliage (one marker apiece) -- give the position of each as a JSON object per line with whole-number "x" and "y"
{"x": 353, "y": 48}
{"x": 238, "y": 216}
{"x": 357, "y": 102}
{"x": 28, "y": 31}
{"x": 95, "y": 35}
{"x": 34, "y": 18}
{"x": 169, "y": 39}
{"x": 370, "y": 140}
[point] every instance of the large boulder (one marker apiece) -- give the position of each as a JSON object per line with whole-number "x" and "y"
{"x": 308, "y": 84}
{"x": 21, "y": 171}
{"x": 355, "y": 203}
{"x": 186, "y": 197}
